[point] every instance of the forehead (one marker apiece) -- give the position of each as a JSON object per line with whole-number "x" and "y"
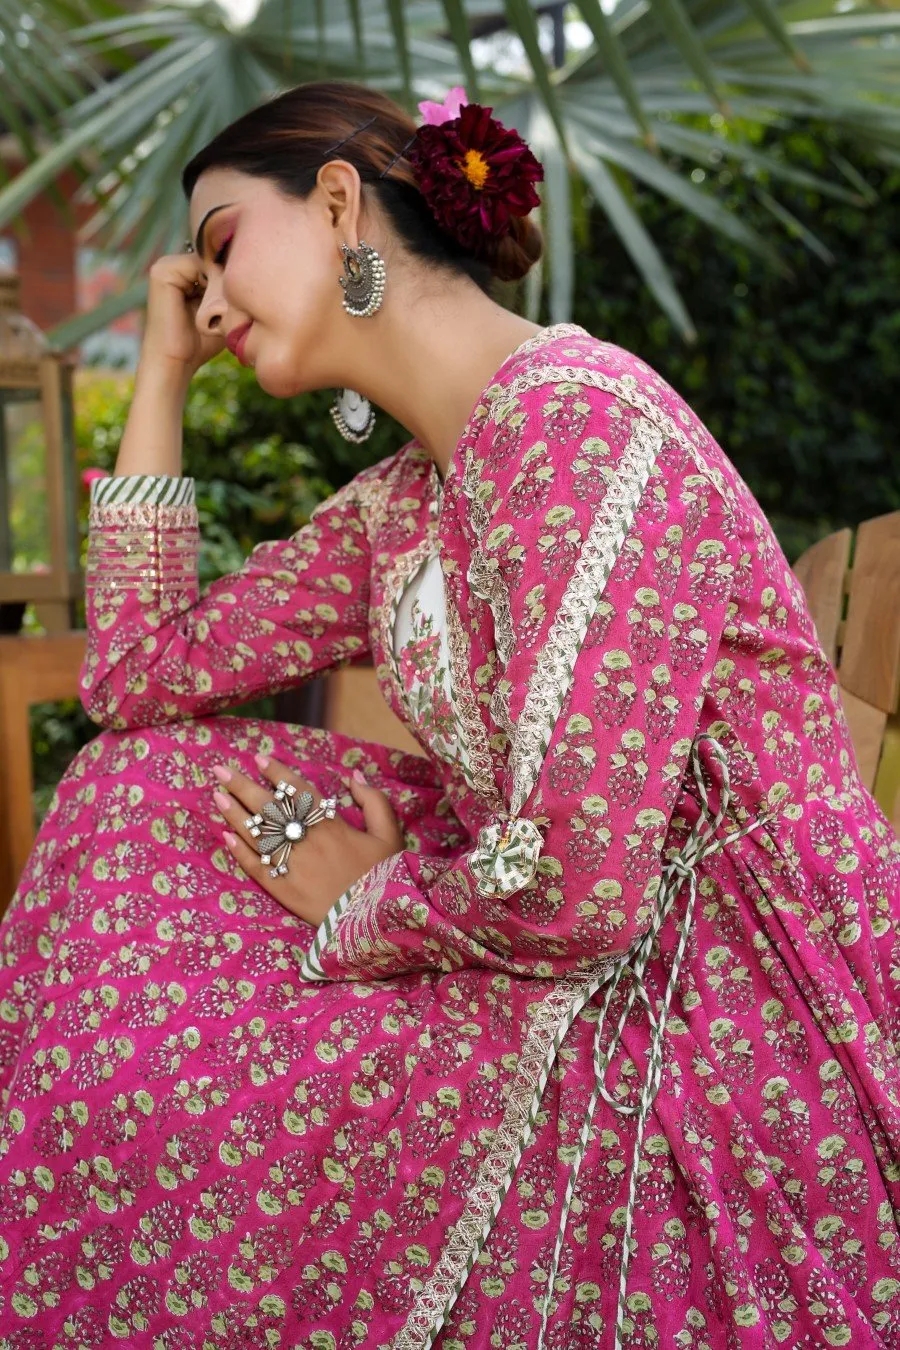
{"x": 215, "y": 187}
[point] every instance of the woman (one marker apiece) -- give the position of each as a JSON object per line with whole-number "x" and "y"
{"x": 578, "y": 1030}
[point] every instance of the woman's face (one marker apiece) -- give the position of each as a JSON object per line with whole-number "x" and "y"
{"x": 273, "y": 262}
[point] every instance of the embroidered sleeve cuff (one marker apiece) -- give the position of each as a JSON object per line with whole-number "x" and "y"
{"x": 148, "y": 489}
{"x": 149, "y": 544}
{"x": 348, "y": 943}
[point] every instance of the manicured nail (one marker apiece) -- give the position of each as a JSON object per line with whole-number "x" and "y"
{"x": 223, "y": 801}
{"x": 223, "y": 774}
{"x": 230, "y": 839}
{"x": 359, "y": 777}
{"x": 262, "y": 761}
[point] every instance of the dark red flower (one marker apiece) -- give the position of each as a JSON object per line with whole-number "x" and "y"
{"x": 475, "y": 174}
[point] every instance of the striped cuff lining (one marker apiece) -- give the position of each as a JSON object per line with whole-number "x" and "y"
{"x": 145, "y": 488}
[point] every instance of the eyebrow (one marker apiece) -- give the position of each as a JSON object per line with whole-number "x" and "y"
{"x": 198, "y": 246}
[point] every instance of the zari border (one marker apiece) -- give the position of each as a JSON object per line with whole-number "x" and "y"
{"x": 555, "y": 1015}
{"x": 355, "y": 936}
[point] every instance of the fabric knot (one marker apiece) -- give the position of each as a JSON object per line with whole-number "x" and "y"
{"x": 681, "y": 866}
{"x": 506, "y": 857}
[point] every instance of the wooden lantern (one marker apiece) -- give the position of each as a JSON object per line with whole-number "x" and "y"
{"x": 38, "y": 514}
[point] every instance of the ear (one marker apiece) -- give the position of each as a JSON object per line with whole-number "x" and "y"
{"x": 341, "y": 189}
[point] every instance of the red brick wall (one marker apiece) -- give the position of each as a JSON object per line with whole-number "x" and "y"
{"x": 46, "y": 253}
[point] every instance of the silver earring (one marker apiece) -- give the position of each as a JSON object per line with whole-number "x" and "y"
{"x": 363, "y": 280}
{"x": 353, "y": 416}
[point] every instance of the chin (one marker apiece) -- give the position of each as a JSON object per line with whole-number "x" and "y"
{"x": 280, "y": 380}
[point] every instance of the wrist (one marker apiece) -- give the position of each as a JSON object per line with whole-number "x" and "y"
{"x": 164, "y": 379}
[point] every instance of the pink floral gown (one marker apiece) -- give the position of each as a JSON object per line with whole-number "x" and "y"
{"x": 606, "y": 1056}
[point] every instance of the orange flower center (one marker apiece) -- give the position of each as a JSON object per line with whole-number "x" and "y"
{"x": 476, "y": 168}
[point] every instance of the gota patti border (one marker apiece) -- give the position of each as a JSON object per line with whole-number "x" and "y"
{"x": 556, "y": 1012}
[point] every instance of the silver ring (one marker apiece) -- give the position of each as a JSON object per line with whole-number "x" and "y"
{"x": 284, "y": 822}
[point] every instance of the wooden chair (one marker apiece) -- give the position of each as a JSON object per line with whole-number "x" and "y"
{"x": 32, "y": 670}
{"x": 41, "y": 669}
{"x": 853, "y": 592}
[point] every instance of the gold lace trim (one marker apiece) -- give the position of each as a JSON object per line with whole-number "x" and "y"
{"x": 552, "y": 1020}
{"x": 134, "y": 546}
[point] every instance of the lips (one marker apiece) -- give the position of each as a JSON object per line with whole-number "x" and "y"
{"x": 236, "y": 340}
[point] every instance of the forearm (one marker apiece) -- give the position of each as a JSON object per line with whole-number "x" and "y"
{"x": 152, "y": 440}
{"x": 159, "y": 651}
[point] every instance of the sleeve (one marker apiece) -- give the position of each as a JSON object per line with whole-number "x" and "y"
{"x": 159, "y": 651}
{"x": 610, "y": 569}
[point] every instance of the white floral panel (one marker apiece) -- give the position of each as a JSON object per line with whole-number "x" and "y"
{"x": 423, "y": 659}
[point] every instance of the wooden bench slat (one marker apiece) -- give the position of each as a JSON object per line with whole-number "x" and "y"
{"x": 870, "y": 657}
{"x": 32, "y": 670}
{"x": 867, "y": 726}
{"x": 821, "y": 571}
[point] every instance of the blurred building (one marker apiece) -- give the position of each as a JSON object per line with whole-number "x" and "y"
{"x": 60, "y": 276}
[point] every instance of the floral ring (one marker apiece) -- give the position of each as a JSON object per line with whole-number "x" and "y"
{"x": 284, "y": 822}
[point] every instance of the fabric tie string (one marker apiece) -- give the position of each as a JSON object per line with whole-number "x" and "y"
{"x": 700, "y": 844}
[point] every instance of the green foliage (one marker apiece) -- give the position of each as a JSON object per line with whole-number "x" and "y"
{"x": 797, "y": 376}
{"x": 261, "y": 464}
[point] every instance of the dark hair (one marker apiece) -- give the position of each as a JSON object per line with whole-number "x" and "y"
{"x": 287, "y": 139}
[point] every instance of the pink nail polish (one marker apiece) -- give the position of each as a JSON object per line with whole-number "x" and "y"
{"x": 359, "y": 777}
{"x": 262, "y": 761}
{"x": 230, "y": 839}
{"x": 223, "y": 801}
{"x": 223, "y": 774}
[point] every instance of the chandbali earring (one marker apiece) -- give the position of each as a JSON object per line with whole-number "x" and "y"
{"x": 363, "y": 280}
{"x": 353, "y": 416}
{"x": 363, "y": 286}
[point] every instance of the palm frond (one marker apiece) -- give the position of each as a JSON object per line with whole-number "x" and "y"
{"x": 645, "y": 102}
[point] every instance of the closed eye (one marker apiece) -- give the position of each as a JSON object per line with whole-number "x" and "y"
{"x": 222, "y": 254}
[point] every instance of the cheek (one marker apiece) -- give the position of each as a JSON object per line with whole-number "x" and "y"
{"x": 292, "y": 338}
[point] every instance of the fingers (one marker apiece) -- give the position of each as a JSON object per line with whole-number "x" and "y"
{"x": 240, "y": 797}
{"x": 276, "y": 772}
{"x": 381, "y": 822}
{"x": 245, "y": 856}
{"x": 180, "y": 269}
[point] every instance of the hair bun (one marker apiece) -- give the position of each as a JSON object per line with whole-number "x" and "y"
{"x": 514, "y": 254}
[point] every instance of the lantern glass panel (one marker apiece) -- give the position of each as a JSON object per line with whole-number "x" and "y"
{"x": 24, "y": 505}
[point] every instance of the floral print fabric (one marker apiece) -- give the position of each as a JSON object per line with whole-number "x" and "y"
{"x": 222, "y": 1129}
{"x": 423, "y": 657}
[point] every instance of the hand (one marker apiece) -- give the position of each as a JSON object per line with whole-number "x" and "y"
{"x": 171, "y": 337}
{"x": 331, "y": 857}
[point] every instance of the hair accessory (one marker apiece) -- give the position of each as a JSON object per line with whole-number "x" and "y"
{"x": 363, "y": 280}
{"x": 355, "y": 132}
{"x": 353, "y": 416}
{"x": 399, "y": 155}
{"x": 475, "y": 173}
{"x": 435, "y": 113}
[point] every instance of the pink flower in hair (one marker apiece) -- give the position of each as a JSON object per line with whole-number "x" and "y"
{"x": 434, "y": 114}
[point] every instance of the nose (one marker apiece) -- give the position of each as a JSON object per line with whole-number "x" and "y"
{"x": 210, "y": 311}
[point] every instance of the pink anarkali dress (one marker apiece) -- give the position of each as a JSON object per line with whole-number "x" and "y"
{"x": 605, "y": 1056}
